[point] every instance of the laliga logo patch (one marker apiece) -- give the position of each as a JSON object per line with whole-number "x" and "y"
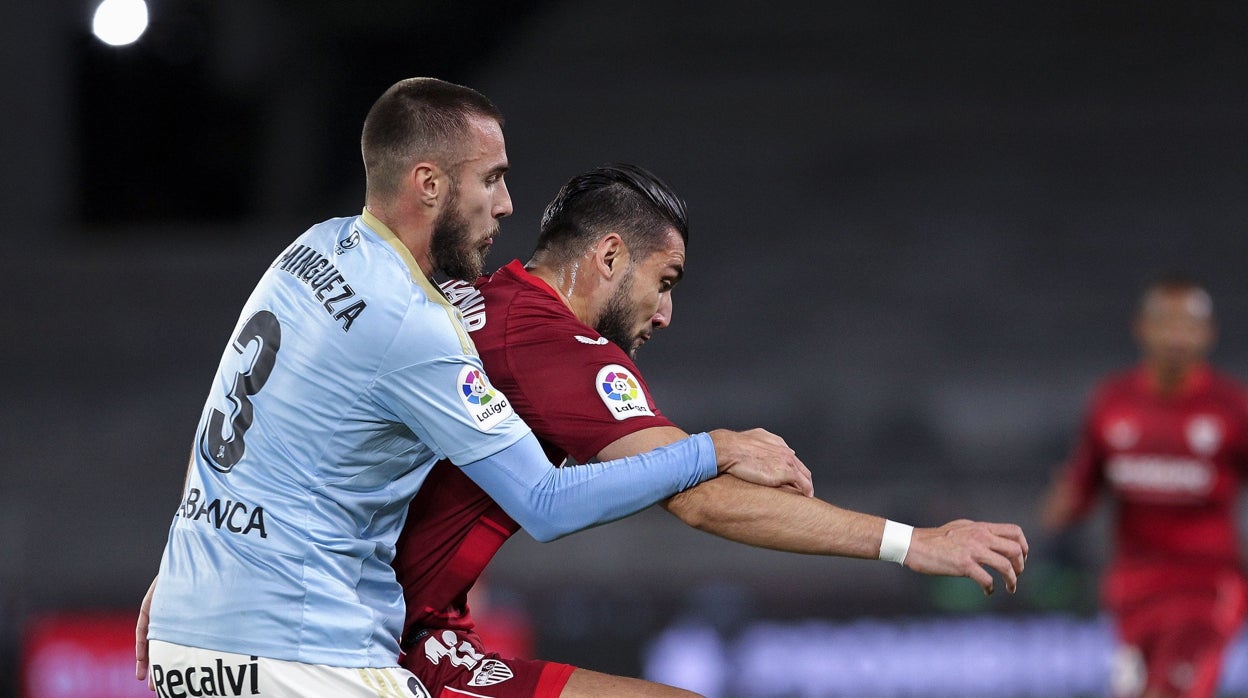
{"x": 621, "y": 393}
{"x": 1204, "y": 434}
{"x": 490, "y": 672}
{"x": 487, "y": 406}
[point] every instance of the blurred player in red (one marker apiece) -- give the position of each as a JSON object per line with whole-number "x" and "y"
{"x": 1168, "y": 440}
{"x": 558, "y": 336}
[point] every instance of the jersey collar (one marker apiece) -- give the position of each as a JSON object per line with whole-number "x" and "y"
{"x": 432, "y": 291}
{"x": 1197, "y": 379}
{"x": 516, "y": 268}
{"x": 383, "y": 231}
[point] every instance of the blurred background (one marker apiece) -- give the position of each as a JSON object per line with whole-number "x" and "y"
{"x": 917, "y": 234}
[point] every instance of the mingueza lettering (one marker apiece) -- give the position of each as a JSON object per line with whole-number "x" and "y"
{"x": 328, "y": 285}
{"x": 496, "y": 407}
{"x": 469, "y": 300}
{"x": 212, "y": 680}
{"x": 235, "y": 517}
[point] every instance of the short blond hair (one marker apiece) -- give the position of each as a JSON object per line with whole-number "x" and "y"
{"x": 417, "y": 119}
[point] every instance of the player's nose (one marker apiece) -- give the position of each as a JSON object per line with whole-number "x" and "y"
{"x": 502, "y": 200}
{"x": 663, "y": 316}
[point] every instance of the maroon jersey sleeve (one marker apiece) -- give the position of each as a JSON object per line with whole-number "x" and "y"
{"x": 1237, "y": 410}
{"x": 576, "y": 390}
{"x": 1084, "y": 470}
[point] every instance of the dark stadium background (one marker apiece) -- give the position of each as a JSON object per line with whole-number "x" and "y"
{"x": 917, "y": 233}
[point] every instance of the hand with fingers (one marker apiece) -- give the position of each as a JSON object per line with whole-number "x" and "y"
{"x": 971, "y": 549}
{"x": 761, "y": 457}
{"x": 141, "y": 660}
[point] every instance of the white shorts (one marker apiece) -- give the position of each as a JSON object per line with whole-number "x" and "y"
{"x": 179, "y": 671}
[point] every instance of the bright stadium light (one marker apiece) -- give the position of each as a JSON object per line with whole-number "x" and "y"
{"x": 120, "y": 22}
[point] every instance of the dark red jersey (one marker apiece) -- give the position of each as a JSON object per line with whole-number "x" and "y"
{"x": 1172, "y": 464}
{"x": 576, "y": 390}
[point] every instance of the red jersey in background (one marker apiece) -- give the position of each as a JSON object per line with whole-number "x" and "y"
{"x": 1173, "y": 465}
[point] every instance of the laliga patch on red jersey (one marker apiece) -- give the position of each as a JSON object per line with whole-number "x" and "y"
{"x": 621, "y": 392}
{"x": 487, "y": 406}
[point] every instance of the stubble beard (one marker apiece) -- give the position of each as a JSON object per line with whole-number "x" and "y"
{"x": 454, "y": 251}
{"x": 615, "y": 322}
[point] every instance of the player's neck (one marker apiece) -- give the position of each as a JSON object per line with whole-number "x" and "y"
{"x": 415, "y": 232}
{"x": 1169, "y": 379}
{"x": 561, "y": 280}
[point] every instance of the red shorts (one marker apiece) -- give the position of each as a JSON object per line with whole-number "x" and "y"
{"x": 454, "y": 664}
{"x": 1181, "y": 621}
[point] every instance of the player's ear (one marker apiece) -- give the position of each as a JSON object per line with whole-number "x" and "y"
{"x": 429, "y": 182}
{"x": 611, "y": 254}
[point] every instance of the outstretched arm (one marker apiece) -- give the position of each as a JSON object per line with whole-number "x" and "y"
{"x": 550, "y": 502}
{"x": 1059, "y": 506}
{"x": 781, "y": 520}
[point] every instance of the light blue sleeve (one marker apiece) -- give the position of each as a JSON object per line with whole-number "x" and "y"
{"x": 449, "y": 403}
{"x": 552, "y": 502}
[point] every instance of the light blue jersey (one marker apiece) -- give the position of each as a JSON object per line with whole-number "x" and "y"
{"x": 348, "y": 376}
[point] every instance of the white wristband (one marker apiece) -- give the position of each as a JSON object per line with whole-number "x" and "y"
{"x": 896, "y": 541}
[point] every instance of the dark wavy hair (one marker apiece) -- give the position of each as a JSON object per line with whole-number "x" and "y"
{"x": 617, "y": 197}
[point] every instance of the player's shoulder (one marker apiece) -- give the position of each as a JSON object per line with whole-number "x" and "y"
{"x": 1228, "y": 388}
{"x": 505, "y": 289}
{"x": 430, "y": 327}
{"x": 338, "y": 235}
{"x": 1117, "y": 383}
{"x": 346, "y": 245}
{"x": 1113, "y": 391}
{"x": 523, "y": 308}
{"x": 531, "y": 324}
{"x": 1221, "y": 380}
{"x": 489, "y": 305}
{"x": 407, "y": 309}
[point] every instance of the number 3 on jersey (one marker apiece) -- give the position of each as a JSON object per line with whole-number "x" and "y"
{"x": 264, "y": 330}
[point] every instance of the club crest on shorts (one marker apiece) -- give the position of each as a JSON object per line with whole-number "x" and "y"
{"x": 621, "y": 392}
{"x": 486, "y": 404}
{"x": 490, "y": 672}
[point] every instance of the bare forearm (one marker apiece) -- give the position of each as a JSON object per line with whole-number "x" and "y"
{"x": 1059, "y": 507}
{"x": 777, "y": 519}
{"x": 771, "y": 518}
{"x": 780, "y": 519}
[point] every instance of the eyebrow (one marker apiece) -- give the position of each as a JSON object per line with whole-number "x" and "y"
{"x": 679, "y": 269}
